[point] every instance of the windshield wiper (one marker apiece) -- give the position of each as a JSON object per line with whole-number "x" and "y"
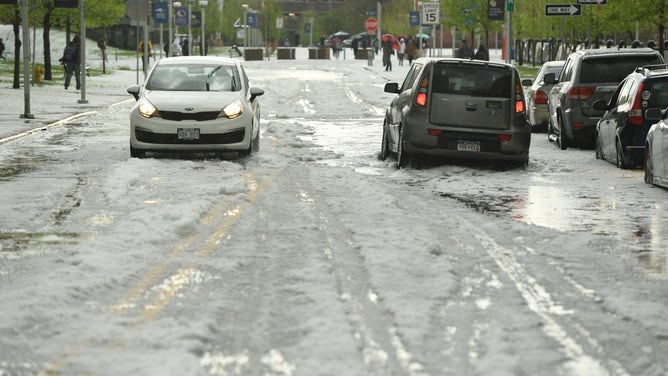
{"x": 208, "y": 76}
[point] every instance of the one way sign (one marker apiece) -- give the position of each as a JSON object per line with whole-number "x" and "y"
{"x": 563, "y": 10}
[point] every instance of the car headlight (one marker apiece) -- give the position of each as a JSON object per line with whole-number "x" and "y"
{"x": 232, "y": 110}
{"x": 147, "y": 109}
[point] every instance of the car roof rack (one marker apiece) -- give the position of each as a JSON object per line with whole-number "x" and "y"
{"x": 648, "y": 68}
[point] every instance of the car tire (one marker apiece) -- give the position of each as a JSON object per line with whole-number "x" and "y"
{"x": 403, "y": 157}
{"x": 563, "y": 139}
{"x": 255, "y": 144}
{"x": 649, "y": 174}
{"x": 385, "y": 145}
{"x": 137, "y": 153}
{"x": 599, "y": 150}
{"x": 621, "y": 162}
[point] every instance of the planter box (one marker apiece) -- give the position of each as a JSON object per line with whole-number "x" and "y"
{"x": 285, "y": 54}
{"x": 253, "y": 54}
{"x": 318, "y": 53}
{"x": 363, "y": 54}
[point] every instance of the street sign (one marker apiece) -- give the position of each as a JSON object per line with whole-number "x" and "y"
{"x": 181, "y": 16}
{"x": 563, "y": 9}
{"x": 414, "y": 18}
{"x": 597, "y": 2}
{"x": 511, "y": 5}
{"x": 371, "y": 25}
{"x": 251, "y": 20}
{"x": 137, "y": 10}
{"x": 431, "y": 13}
{"x": 160, "y": 13}
{"x": 495, "y": 10}
{"x": 62, "y": 3}
{"x": 279, "y": 22}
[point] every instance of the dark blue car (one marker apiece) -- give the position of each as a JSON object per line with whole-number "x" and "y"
{"x": 622, "y": 130}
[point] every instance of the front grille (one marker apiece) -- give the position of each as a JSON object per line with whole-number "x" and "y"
{"x": 231, "y": 137}
{"x": 197, "y": 116}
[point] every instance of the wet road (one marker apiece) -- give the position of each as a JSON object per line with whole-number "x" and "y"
{"x": 314, "y": 257}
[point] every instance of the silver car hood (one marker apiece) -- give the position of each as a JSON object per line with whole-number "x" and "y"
{"x": 191, "y": 101}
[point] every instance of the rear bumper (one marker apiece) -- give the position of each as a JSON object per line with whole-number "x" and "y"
{"x": 449, "y": 142}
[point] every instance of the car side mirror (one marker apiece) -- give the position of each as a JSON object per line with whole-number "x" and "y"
{"x": 653, "y": 114}
{"x": 255, "y": 92}
{"x": 134, "y": 90}
{"x": 392, "y": 87}
{"x": 600, "y": 105}
{"x": 527, "y": 82}
{"x": 550, "y": 79}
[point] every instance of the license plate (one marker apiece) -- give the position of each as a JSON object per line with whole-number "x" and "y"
{"x": 188, "y": 133}
{"x": 472, "y": 146}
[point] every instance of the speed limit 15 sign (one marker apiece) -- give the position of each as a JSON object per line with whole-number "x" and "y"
{"x": 430, "y": 13}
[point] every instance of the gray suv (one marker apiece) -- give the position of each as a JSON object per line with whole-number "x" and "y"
{"x": 457, "y": 108}
{"x": 588, "y": 76}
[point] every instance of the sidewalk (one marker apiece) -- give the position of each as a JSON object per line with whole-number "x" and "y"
{"x": 50, "y": 102}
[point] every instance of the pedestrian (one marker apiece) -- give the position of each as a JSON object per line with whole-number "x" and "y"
{"x": 388, "y": 51}
{"x": 402, "y": 51}
{"x": 464, "y": 50}
{"x": 355, "y": 47}
{"x": 411, "y": 50}
{"x": 2, "y": 49}
{"x": 145, "y": 60}
{"x": 482, "y": 53}
{"x": 185, "y": 47}
{"x": 72, "y": 61}
{"x": 176, "y": 47}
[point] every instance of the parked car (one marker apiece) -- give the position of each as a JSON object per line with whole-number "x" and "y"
{"x": 195, "y": 103}
{"x": 622, "y": 130}
{"x": 656, "y": 150}
{"x": 587, "y": 76}
{"x": 537, "y": 94}
{"x": 457, "y": 108}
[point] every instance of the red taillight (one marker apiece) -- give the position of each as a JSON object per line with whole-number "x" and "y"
{"x": 505, "y": 137}
{"x": 635, "y": 115}
{"x": 581, "y": 93}
{"x": 421, "y": 97}
{"x": 577, "y": 125}
{"x": 539, "y": 97}
{"x": 519, "y": 107}
{"x": 434, "y": 132}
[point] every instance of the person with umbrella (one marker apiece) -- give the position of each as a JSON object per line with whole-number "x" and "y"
{"x": 388, "y": 50}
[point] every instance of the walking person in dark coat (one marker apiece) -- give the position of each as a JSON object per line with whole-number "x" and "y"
{"x": 72, "y": 61}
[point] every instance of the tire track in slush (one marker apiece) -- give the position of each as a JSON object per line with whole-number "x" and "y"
{"x": 540, "y": 302}
{"x": 382, "y": 349}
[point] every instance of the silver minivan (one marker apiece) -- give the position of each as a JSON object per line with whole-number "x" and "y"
{"x": 457, "y": 108}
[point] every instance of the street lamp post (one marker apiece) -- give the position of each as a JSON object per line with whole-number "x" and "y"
{"x": 203, "y": 3}
{"x": 245, "y": 9}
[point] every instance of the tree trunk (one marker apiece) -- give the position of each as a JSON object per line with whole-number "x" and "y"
{"x": 46, "y": 32}
{"x": 662, "y": 28}
{"x": 17, "y": 50}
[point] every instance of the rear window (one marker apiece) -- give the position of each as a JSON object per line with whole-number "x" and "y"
{"x": 613, "y": 68}
{"x": 655, "y": 93}
{"x": 473, "y": 80}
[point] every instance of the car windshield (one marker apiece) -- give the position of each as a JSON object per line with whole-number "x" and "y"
{"x": 194, "y": 77}
{"x": 475, "y": 80}
{"x": 613, "y": 69}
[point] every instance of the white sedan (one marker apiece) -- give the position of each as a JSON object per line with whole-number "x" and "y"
{"x": 195, "y": 103}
